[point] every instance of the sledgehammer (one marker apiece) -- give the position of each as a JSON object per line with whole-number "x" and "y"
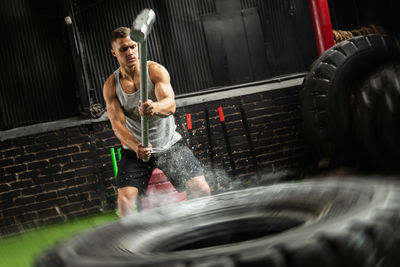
{"x": 140, "y": 30}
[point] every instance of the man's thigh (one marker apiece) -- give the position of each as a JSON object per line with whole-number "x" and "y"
{"x": 179, "y": 164}
{"x": 133, "y": 172}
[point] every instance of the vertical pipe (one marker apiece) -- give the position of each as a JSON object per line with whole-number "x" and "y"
{"x": 119, "y": 153}
{"x": 249, "y": 140}
{"x": 322, "y": 24}
{"x": 114, "y": 162}
{"x": 143, "y": 90}
{"x": 209, "y": 137}
{"x": 189, "y": 121}
{"x": 189, "y": 127}
{"x": 226, "y": 137}
{"x": 79, "y": 59}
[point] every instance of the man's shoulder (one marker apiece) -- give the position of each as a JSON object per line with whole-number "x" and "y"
{"x": 156, "y": 71}
{"x": 110, "y": 82}
{"x": 154, "y": 66}
{"x": 109, "y": 88}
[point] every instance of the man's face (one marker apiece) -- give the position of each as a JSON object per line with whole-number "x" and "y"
{"x": 126, "y": 51}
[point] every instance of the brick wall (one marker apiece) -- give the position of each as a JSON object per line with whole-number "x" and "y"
{"x": 263, "y": 129}
{"x": 55, "y": 176}
{"x": 67, "y": 173}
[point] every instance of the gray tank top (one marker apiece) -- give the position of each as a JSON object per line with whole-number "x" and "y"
{"x": 162, "y": 131}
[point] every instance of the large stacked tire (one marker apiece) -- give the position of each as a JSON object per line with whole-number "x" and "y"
{"x": 377, "y": 117}
{"x": 330, "y": 89}
{"x": 331, "y": 223}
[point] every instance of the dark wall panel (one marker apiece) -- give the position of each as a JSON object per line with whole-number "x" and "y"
{"x": 184, "y": 43}
{"x": 42, "y": 75}
{"x": 354, "y": 14}
{"x": 288, "y": 34}
{"x": 37, "y": 80}
{"x": 179, "y": 39}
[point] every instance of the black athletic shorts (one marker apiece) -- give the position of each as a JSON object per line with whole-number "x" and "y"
{"x": 178, "y": 163}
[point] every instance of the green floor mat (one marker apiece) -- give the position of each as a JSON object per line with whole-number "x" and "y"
{"x": 21, "y": 250}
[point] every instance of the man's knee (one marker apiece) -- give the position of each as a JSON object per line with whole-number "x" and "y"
{"x": 124, "y": 199}
{"x": 127, "y": 200}
{"x": 198, "y": 187}
{"x": 127, "y": 193}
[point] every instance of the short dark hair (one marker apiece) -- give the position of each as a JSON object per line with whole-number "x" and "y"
{"x": 120, "y": 32}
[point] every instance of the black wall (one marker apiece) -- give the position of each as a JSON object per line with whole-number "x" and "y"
{"x": 253, "y": 39}
{"x": 53, "y": 70}
{"x": 353, "y": 14}
{"x": 37, "y": 77}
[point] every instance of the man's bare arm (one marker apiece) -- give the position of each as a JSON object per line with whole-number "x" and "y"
{"x": 165, "y": 105}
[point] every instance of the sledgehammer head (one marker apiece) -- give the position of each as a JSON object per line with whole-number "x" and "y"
{"x": 142, "y": 25}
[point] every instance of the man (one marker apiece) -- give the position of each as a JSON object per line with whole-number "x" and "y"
{"x": 167, "y": 150}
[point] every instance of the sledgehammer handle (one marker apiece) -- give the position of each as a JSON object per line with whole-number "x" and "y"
{"x": 143, "y": 91}
{"x": 140, "y": 30}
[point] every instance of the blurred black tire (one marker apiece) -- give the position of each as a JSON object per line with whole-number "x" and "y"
{"x": 377, "y": 117}
{"x": 330, "y": 87}
{"x": 331, "y": 222}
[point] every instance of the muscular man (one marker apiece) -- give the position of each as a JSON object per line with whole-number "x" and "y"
{"x": 167, "y": 150}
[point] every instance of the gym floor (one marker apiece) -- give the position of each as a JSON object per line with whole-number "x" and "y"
{"x": 21, "y": 250}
